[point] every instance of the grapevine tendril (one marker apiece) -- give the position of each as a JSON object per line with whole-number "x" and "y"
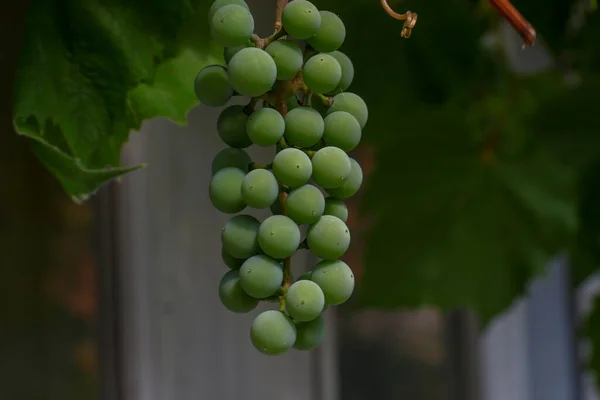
{"x": 409, "y": 18}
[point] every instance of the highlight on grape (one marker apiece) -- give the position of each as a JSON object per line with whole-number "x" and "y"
{"x": 297, "y": 81}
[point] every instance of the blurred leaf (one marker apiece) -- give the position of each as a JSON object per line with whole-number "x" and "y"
{"x": 586, "y": 260}
{"x": 93, "y": 70}
{"x": 454, "y": 231}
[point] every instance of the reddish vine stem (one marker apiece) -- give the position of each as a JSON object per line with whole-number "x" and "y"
{"x": 514, "y": 17}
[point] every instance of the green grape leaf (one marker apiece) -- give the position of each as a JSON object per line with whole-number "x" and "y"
{"x": 456, "y": 228}
{"x": 91, "y": 71}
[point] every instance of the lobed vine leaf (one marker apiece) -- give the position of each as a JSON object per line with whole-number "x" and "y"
{"x": 91, "y": 71}
{"x": 466, "y": 232}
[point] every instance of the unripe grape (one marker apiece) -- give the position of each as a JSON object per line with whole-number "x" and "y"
{"x": 301, "y": 19}
{"x": 352, "y": 184}
{"x": 225, "y": 190}
{"x": 336, "y": 207}
{"x": 330, "y": 35}
{"x": 229, "y": 52}
{"x": 232, "y": 295}
{"x": 304, "y": 301}
{"x": 212, "y": 86}
{"x": 261, "y": 276}
{"x": 303, "y": 127}
{"x": 259, "y": 188}
{"x": 292, "y": 167}
{"x": 336, "y": 280}
{"x": 231, "y": 157}
{"x": 347, "y": 71}
{"x": 222, "y": 3}
{"x": 331, "y": 167}
{"x": 239, "y": 236}
{"x": 353, "y": 104}
{"x": 265, "y": 127}
{"x": 310, "y": 334}
{"x": 278, "y": 236}
{"x": 287, "y": 56}
{"x": 231, "y": 127}
{"x": 305, "y": 205}
{"x": 328, "y": 238}
{"x": 272, "y": 332}
{"x": 322, "y": 73}
{"x": 230, "y": 261}
{"x": 252, "y": 72}
{"x": 342, "y": 130}
{"x": 232, "y": 25}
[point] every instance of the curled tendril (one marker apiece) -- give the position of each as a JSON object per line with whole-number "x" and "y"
{"x": 409, "y": 18}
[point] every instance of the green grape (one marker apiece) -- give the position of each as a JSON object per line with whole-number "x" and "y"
{"x": 335, "y": 279}
{"x": 328, "y": 238}
{"x": 310, "y": 334}
{"x": 304, "y": 301}
{"x": 305, "y": 276}
{"x": 317, "y": 146}
{"x": 225, "y": 190}
{"x": 301, "y": 19}
{"x": 233, "y": 296}
{"x": 330, "y": 35}
{"x": 352, "y": 184}
{"x": 230, "y": 261}
{"x": 272, "y": 332}
{"x": 252, "y": 72}
{"x": 229, "y": 52}
{"x": 222, "y": 3}
{"x": 231, "y": 157}
{"x": 278, "y": 236}
{"x": 232, "y": 25}
{"x": 347, "y": 71}
{"x": 287, "y": 56}
{"x": 231, "y": 127}
{"x": 353, "y": 104}
{"x": 292, "y": 167}
{"x": 303, "y": 127}
{"x": 336, "y": 207}
{"x": 239, "y": 236}
{"x": 212, "y": 86}
{"x": 331, "y": 167}
{"x": 265, "y": 127}
{"x": 261, "y": 276}
{"x": 342, "y": 130}
{"x": 305, "y": 205}
{"x": 292, "y": 102}
{"x": 322, "y": 73}
{"x": 260, "y": 188}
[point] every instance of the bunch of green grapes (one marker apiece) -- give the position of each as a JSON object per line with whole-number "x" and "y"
{"x": 297, "y": 81}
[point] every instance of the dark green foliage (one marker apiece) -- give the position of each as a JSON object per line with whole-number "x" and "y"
{"x": 482, "y": 175}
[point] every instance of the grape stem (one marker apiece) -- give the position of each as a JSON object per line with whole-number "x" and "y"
{"x": 280, "y": 5}
{"x": 327, "y": 101}
{"x": 279, "y": 32}
{"x": 282, "y": 91}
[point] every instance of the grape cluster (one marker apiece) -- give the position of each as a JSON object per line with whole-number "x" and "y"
{"x": 297, "y": 81}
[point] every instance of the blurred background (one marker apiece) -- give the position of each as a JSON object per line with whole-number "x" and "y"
{"x": 116, "y": 299}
